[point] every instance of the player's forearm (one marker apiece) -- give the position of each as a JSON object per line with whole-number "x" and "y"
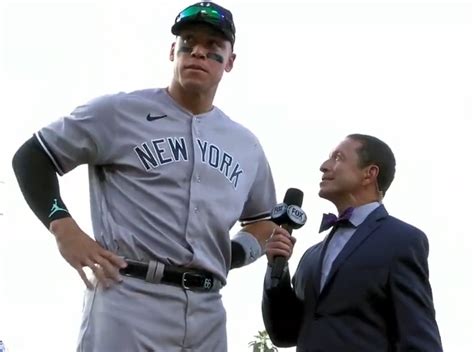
{"x": 38, "y": 182}
{"x": 261, "y": 230}
{"x": 248, "y": 245}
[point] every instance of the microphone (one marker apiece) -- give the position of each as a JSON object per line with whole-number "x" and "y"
{"x": 288, "y": 215}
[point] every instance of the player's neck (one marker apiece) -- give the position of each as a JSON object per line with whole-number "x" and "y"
{"x": 196, "y": 102}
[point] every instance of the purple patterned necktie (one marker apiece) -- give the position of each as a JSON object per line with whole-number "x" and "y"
{"x": 329, "y": 220}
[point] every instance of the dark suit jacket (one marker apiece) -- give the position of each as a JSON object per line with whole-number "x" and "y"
{"x": 377, "y": 296}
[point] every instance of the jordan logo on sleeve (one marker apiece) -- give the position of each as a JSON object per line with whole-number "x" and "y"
{"x": 55, "y": 208}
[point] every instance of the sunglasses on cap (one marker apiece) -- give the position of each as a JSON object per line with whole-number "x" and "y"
{"x": 210, "y": 13}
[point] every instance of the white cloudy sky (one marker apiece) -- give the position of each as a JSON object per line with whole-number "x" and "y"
{"x": 307, "y": 74}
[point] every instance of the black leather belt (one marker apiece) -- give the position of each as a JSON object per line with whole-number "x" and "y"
{"x": 189, "y": 279}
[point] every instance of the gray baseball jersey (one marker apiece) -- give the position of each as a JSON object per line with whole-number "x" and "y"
{"x": 164, "y": 184}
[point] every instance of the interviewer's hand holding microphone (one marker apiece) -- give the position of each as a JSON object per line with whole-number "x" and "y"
{"x": 279, "y": 246}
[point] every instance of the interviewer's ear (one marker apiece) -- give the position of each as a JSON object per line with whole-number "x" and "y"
{"x": 370, "y": 175}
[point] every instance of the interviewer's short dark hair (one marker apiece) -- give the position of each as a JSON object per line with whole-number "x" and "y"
{"x": 373, "y": 151}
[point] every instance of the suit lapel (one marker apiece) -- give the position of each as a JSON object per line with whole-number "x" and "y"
{"x": 364, "y": 230}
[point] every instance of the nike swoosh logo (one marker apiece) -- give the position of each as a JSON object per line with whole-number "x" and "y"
{"x": 153, "y": 118}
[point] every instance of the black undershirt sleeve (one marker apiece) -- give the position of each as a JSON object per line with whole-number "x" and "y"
{"x": 36, "y": 176}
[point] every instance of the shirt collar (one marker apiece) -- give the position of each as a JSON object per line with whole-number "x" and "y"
{"x": 360, "y": 213}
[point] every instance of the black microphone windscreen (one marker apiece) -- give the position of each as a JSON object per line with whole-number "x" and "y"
{"x": 293, "y": 196}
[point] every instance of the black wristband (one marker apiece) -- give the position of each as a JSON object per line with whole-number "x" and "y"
{"x": 237, "y": 255}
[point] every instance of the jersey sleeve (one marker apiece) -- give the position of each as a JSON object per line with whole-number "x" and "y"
{"x": 262, "y": 195}
{"x": 81, "y": 137}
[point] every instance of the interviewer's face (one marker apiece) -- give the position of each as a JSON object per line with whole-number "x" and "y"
{"x": 341, "y": 172}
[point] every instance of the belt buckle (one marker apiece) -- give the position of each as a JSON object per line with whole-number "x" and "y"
{"x": 206, "y": 285}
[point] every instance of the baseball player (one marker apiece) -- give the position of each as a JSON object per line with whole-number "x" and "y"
{"x": 170, "y": 174}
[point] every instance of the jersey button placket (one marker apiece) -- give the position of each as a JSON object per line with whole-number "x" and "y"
{"x": 197, "y": 177}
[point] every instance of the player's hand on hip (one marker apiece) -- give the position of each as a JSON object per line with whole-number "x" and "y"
{"x": 81, "y": 251}
{"x": 280, "y": 243}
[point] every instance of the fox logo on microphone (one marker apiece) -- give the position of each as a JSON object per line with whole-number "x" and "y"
{"x": 296, "y": 215}
{"x": 279, "y": 210}
{"x": 292, "y": 214}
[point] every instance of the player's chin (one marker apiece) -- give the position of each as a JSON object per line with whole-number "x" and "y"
{"x": 196, "y": 84}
